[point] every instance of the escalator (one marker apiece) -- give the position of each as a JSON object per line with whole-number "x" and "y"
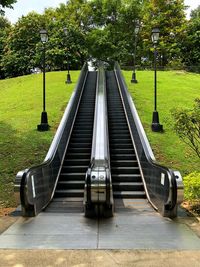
{"x": 126, "y": 177}
{"x": 57, "y": 184}
{"x": 70, "y": 187}
{"x": 100, "y": 152}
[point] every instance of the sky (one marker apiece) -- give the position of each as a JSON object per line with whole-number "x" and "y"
{"x": 23, "y": 7}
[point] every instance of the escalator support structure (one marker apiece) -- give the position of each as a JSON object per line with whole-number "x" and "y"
{"x": 134, "y": 170}
{"x": 62, "y": 174}
{"x": 100, "y": 152}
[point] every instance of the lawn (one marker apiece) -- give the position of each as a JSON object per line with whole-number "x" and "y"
{"x": 174, "y": 89}
{"x": 21, "y": 145}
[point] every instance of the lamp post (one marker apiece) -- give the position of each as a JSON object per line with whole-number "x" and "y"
{"x": 68, "y": 74}
{"x": 155, "y": 126}
{"x": 44, "y": 126}
{"x": 136, "y": 31}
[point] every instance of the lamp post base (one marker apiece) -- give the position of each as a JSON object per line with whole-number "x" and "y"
{"x": 68, "y": 79}
{"x": 133, "y": 80}
{"x": 44, "y": 126}
{"x": 156, "y": 126}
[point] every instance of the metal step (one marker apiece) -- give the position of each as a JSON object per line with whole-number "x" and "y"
{"x": 74, "y": 176}
{"x": 129, "y": 194}
{"x": 69, "y": 193}
{"x": 126, "y": 177}
{"x": 128, "y": 186}
{"x": 70, "y": 185}
{"x": 125, "y": 163}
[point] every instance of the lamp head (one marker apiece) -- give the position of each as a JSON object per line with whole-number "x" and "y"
{"x": 155, "y": 35}
{"x": 44, "y": 36}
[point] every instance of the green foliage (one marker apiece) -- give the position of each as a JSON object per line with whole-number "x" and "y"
{"x": 5, "y": 27}
{"x": 192, "y": 186}
{"x": 187, "y": 126}
{"x": 6, "y": 3}
{"x": 169, "y": 17}
{"x": 191, "y": 42}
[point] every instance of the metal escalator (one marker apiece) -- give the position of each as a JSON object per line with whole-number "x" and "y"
{"x": 70, "y": 186}
{"x": 126, "y": 177}
{"x": 58, "y": 183}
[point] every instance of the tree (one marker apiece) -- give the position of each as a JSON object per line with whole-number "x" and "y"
{"x": 5, "y": 27}
{"x": 169, "y": 17}
{"x": 6, "y": 3}
{"x": 191, "y": 43}
{"x": 20, "y": 48}
{"x": 187, "y": 126}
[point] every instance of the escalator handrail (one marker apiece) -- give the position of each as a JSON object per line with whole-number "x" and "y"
{"x": 100, "y": 145}
{"x": 29, "y": 183}
{"x": 171, "y": 201}
{"x": 100, "y": 155}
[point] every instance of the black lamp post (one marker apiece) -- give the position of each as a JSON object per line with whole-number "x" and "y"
{"x": 136, "y": 31}
{"x": 68, "y": 74}
{"x": 44, "y": 126}
{"x": 155, "y": 126}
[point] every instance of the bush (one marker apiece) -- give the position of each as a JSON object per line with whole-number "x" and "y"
{"x": 192, "y": 186}
{"x": 187, "y": 126}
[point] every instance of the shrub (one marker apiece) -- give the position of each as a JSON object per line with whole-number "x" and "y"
{"x": 192, "y": 186}
{"x": 187, "y": 125}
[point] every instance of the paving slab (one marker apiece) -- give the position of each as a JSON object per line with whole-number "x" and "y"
{"x": 135, "y": 225}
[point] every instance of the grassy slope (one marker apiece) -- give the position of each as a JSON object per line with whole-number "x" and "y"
{"x": 175, "y": 89}
{"x": 21, "y": 145}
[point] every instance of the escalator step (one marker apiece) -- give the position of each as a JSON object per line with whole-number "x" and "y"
{"x": 64, "y": 185}
{"x": 129, "y": 194}
{"x": 72, "y": 176}
{"x": 125, "y": 170}
{"x": 125, "y": 163}
{"x": 126, "y": 177}
{"x": 128, "y": 186}
{"x": 69, "y": 193}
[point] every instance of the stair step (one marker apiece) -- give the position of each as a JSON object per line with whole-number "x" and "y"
{"x": 126, "y": 177}
{"x": 83, "y": 155}
{"x": 79, "y": 150}
{"x": 69, "y": 193}
{"x": 124, "y": 163}
{"x": 123, "y": 156}
{"x": 64, "y": 185}
{"x": 76, "y": 162}
{"x": 74, "y": 176}
{"x": 125, "y": 170}
{"x": 129, "y": 194}
{"x": 128, "y": 186}
{"x": 74, "y": 169}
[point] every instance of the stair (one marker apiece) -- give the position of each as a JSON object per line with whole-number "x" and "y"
{"x": 126, "y": 177}
{"x": 71, "y": 182}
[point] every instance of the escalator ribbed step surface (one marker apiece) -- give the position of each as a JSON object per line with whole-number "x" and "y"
{"x": 72, "y": 177}
{"x": 126, "y": 177}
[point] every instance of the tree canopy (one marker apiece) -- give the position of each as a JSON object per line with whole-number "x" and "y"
{"x": 6, "y": 3}
{"x": 101, "y": 29}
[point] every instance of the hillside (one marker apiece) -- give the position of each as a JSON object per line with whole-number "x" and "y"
{"x": 21, "y": 145}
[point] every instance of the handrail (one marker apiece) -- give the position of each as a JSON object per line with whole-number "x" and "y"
{"x": 37, "y": 184}
{"x": 98, "y": 190}
{"x": 160, "y": 182}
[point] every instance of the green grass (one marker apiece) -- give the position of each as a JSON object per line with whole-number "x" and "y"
{"x": 175, "y": 89}
{"x": 21, "y": 145}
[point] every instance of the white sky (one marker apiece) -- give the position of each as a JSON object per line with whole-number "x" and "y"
{"x": 23, "y": 7}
